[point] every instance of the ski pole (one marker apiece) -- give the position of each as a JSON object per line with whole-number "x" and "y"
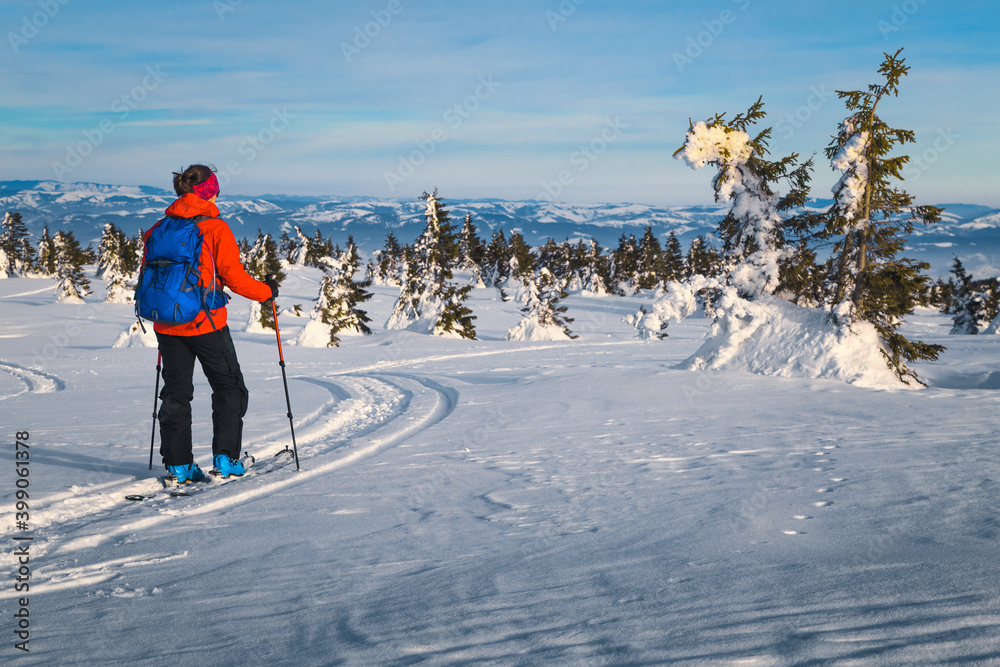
{"x": 156, "y": 395}
{"x": 284, "y": 379}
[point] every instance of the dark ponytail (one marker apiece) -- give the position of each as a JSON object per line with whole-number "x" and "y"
{"x": 196, "y": 174}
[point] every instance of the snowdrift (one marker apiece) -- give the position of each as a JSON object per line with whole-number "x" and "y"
{"x": 772, "y": 336}
{"x": 530, "y": 329}
{"x": 134, "y": 336}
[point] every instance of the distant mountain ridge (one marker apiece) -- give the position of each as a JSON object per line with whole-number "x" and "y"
{"x": 969, "y": 231}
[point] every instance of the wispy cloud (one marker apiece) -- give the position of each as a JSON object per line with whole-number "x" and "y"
{"x": 559, "y": 78}
{"x": 168, "y": 123}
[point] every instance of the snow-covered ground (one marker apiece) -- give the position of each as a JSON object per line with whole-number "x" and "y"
{"x": 490, "y": 502}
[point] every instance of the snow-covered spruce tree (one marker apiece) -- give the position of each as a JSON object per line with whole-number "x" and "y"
{"x": 337, "y": 309}
{"x": 967, "y": 304}
{"x": 16, "y": 246}
{"x": 520, "y": 268}
{"x": 576, "y": 261}
{"x": 702, "y": 259}
{"x": 300, "y": 249}
{"x": 553, "y": 256}
{"x": 625, "y": 265}
{"x": 109, "y": 251}
{"x": 990, "y": 315}
{"x": 46, "y": 254}
{"x": 974, "y": 304}
{"x": 650, "y": 267}
{"x": 595, "y": 271}
{"x": 674, "y": 266}
{"x": 752, "y": 234}
{"x": 428, "y": 299}
{"x": 262, "y": 259}
{"x": 320, "y": 250}
{"x": 286, "y": 247}
{"x": 572, "y": 262}
{"x": 386, "y": 266}
{"x": 871, "y": 219}
{"x": 72, "y": 285}
{"x": 471, "y": 250}
{"x": 544, "y": 316}
{"x": 116, "y": 264}
{"x": 494, "y": 266}
{"x": 521, "y": 260}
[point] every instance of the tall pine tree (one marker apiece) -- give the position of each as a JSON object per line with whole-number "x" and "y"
{"x": 544, "y": 317}
{"x": 428, "y": 295}
{"x": 871, "y": 219}
{"x": 753, "y": 229}
{"x": 72, "y": 284}
{"x": 650, "y": 268}
{"x": 674, "y": 266}
{"x": 46, "y": 254}
{"x": 116, "y": 264}
{"x": 260, "y": 260}
{"x": 338, "y": 305}
{"x": 16, "y": 246}
{"x": 494, "y": 266}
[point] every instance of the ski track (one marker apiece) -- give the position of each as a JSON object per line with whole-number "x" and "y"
{"x": 35, "y": 382}
{"x": 366, "y": 415}
{"x": 381, "y": 366}
{"x": 371, "y": 409}
{"x": 47, "y": 288}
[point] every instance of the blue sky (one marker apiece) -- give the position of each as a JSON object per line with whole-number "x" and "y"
{"x": 576, "y": 100}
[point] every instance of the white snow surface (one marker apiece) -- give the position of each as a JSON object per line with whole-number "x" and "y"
{"x": 504, "y": 503}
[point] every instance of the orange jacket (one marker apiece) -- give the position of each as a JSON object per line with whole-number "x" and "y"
{"x": 218, "y": 249}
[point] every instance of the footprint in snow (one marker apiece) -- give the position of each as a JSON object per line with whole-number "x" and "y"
{"x": 793, "y": 532}
{"x": 825, "y": 489}
{"x": 823, "y": 503}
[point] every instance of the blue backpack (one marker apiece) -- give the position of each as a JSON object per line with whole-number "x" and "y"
{"x": 168, "y": 291}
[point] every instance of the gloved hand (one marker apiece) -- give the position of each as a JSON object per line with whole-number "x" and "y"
{"x": 272, "y": 282}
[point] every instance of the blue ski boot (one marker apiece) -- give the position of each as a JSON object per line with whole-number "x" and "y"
{"x": 189, "y": 473}
{"x": 226, "y": 466}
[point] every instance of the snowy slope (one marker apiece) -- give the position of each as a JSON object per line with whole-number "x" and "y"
{"x": 488, "y": 502}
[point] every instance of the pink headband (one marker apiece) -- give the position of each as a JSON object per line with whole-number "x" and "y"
{"x": 208, "y": 189}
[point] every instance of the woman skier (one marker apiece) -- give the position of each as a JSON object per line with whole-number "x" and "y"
{"x": 206, "y": 339}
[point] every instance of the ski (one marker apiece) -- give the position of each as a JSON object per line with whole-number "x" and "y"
{"x": 212, "y": 478}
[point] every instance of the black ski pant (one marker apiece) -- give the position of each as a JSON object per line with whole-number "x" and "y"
{"x": 217, "y": 355}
